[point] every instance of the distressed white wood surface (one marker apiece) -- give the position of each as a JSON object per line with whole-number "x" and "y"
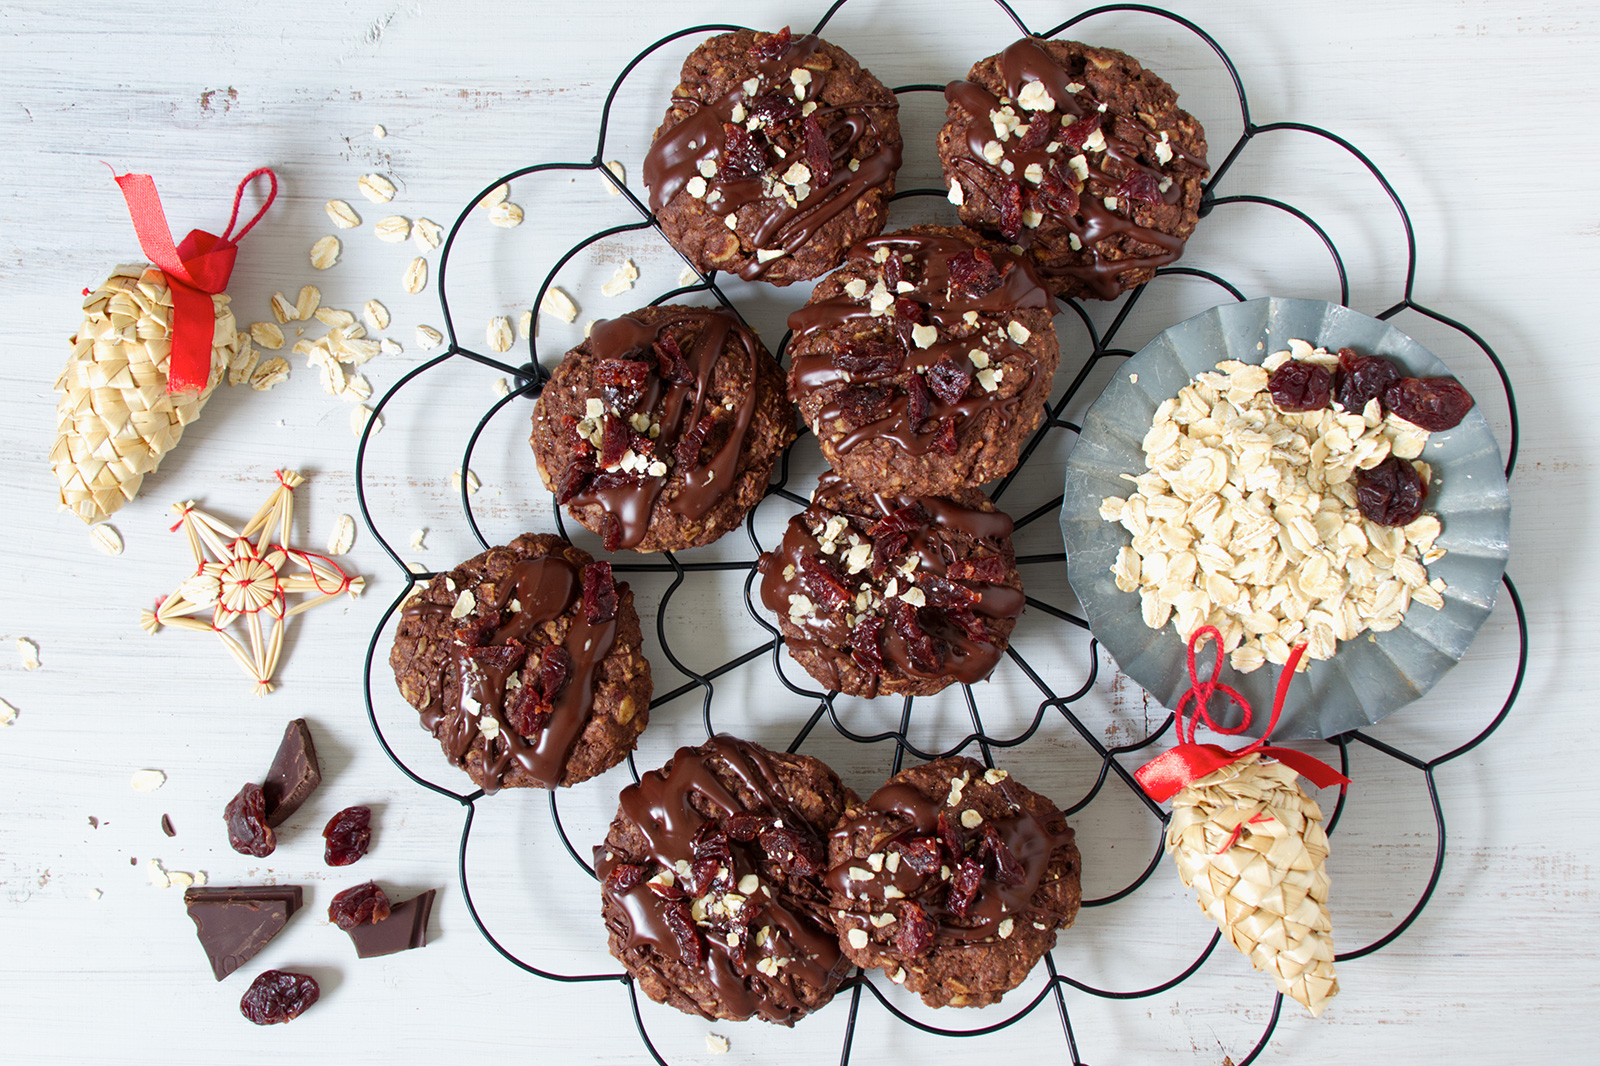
{"x": 1480, "y": 114}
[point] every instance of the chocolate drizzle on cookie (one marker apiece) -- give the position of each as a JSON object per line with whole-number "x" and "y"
{"x": 948, "y": 877}
{"x": 704, "y": 892}
{"x": 657, "y": 423}
{"x": 527, "y": 697}
{"x": 938, "y": 364}
{"x": 767, "y": 142}
{"x": 1051, "y": 157}
{"x": 882, "y": 582}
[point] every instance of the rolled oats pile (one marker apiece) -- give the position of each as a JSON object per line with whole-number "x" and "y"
{"x": 1246, "y": 519}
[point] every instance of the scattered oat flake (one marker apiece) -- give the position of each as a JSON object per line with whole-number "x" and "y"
{"x": 417, "y": 537}
{"x": 389, "y": 346}
{"x": 158, "y": 876}
{"x": 106, "y": 538}
{"x": 416, "y": 276}
{"x": 282, "y": 309}
{"x": 557, "y": 302}
{"x": 502, "y": 388}
{"x": 325, "y": 252}
{"x": 376, "y": 187}
{"x": 622, "y": 177}
{"x": 95, "y": 893}
{"x": 428, "y": 337}
{"x": 525, "y": 324}
{"x": 147, "y": 780}
{"x": 357, "y": 390}
{"x": 393, "y": 229}
{"x": 266, "y": 335}
{"x": 688, "y": 276}
{"x": 376, "y": 315}
{"x": 334, "y": 318}
{"x": 29, "y": 652}
{"x": 343, "y": 535}
{"x": 506, "y": 214}
{"x": 416, "y": 567}
{"x": 426, "y": 234}
{"x": 361, "y": 416}
{"x": 305, "y": 305}
{"x": 716, "y": 1044}
{"x": 622, "y": 280}
{"x": 499, "y": 334}
{"x": 274, "y": 371}
{"x": 8, "y": 713}
{"x": 473, "y": 484}
{"x": 379, "y": 131}
{"x": 495, "y": 195}
{"x": 343, "y": 215}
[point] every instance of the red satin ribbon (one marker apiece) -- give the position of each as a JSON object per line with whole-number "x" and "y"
{"x": 1163, "y": 776}
{"x": 196, "y": 268}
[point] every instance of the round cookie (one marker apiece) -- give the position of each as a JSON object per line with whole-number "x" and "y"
{"x": 659, "y": 431}
{"x": 953, "y": 880}
{"x": 923, "y": 364}
{"x": 525, "y": 663}
{"x": 1080, "y": 157}
{"x": 894, "y": 595}
{"x": 710, "y": 882}
{"x": 776, "y": 155}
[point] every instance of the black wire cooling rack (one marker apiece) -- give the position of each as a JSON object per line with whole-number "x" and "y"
{"x": 531, "y": 376}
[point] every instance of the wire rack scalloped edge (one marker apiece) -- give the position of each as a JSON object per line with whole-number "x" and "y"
{"x": 531, "y": 376}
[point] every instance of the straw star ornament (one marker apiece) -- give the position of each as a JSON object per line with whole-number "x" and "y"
{"x": 239, "y": 579}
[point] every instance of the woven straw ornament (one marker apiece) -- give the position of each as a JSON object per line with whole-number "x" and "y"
{"x": 115, "y": 420}
{"x": 1250, "y": 842}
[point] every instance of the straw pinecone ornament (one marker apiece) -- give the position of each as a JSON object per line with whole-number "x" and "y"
{"x": 154, "y": 343}
{"x": 1249, "y": 840}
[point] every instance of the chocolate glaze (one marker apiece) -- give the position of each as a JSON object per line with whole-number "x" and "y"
{"x": 828, "y": 633}
{"x": 929, "y": 274}
{"x": 678, "y": 407}
{"x": 1026, "y": 61}
{"x": 676, "y": 155}
{"x": 542, "y": 590}
{"x": 660, "y": 806}
{"x": 900, "y": 808}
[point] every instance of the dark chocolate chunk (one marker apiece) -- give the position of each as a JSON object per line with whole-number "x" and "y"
{"x": 295, "y": 773}
{"x": 233, "y": 923}
{"x": 405, "y": 928}
{"x": 166, "y": 825}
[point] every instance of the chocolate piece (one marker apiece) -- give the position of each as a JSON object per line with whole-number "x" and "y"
{"x": 295, "y": 773}
{"x": 166, "y": 826}
{"x": 233, "y": 923}
{"x": 404, "y": 929}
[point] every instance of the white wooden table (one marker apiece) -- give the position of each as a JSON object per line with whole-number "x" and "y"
{"x": 1479, "y": 113}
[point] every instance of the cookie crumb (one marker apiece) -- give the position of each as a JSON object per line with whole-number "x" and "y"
{"x": 716, "y": 1044}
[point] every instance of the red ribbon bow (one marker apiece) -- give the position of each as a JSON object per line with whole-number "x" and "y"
{"x": 196, "y": 268}
{"x": 1163, "y": 776}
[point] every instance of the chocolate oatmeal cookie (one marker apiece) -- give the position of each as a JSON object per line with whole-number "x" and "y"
{"x": 525, "y": 663}
{"x": 953, "y": 880}
{"x": 1078, "y": 156}
{"x": 924, "y": 362}
{"x": 659, "y": 431}
{"x": 710, "y": 881}
{"x": 894, "y": 595}
{"x": 777, "y": 154}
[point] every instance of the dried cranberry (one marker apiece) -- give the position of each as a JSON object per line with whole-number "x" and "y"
{"x": 1301, "y": 386}
{"x": 950, "y": 837}
{"x": 875, "y": 359}
{"x": 942, "y": 592}
{"x": 348, "y": 835}
{"x": 1139, "y": 185}
{"x": 687, "y": 451}
{"x": 916, "y": 401}
{"x": 1011, "y": 210}
{"x": 795, "y": 854}
{"x": 894, "y": 269}
{"x": 555, "y": 670}
{"x": 359, "y": 906}
{"x": 675, "y": 915}
{"x": 742, "y": 157}
{"x": 973, "y": 274}
{"x": 950, "y": 378}
{"x": 964, "y": 882}
{"x": 908, "y": 519}
{"x": 610, "y": 530}
{"x": 622, "y": 877}
{"x": 774, "y": 108}
{"x": 945, "y": 440}
{"x": 1435, "y": 404}
{"x": 599, "y": 593}
{"x": 278, "y": 996}
{"x": 886, "y": 550}
{"x": 969, "y": 624}
{"x": 476, "y": 630}
{"x": 711, "y": 842}
{"x": 666, "y": 891}
{"x": 817, "y": 156}
{"x": 823, "y": 583}
{"x": 914, "y": 935}
{"x": 502, "y": 659}
{"x": 530, "y": 713}
{"x": 1007, "y": 870}
{"x": 614, "y": 440}
{"x": 991, "y": 569}
{"x": 921, "y": 855}
{"x": 670, "y": 361}
{"x": 864, "y": 404}
{"x": 1362, "y": 378}
{"x": 744, "y": 826}
{"x": 1391, "y": 493}
{"x": 866, "y": 646}
{"x": 248, "y": 831}
{"x": 1039, "y": 130}
{"x": 922, "y": 649}
{"x": 1076, "y": 134}
{"x": 769, "y": 46}
{"x": 1058, "y": 191}
{"x": 622, "y": 381}
{"x": 577, "y": 477}
{"x": 908, "y": 310}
